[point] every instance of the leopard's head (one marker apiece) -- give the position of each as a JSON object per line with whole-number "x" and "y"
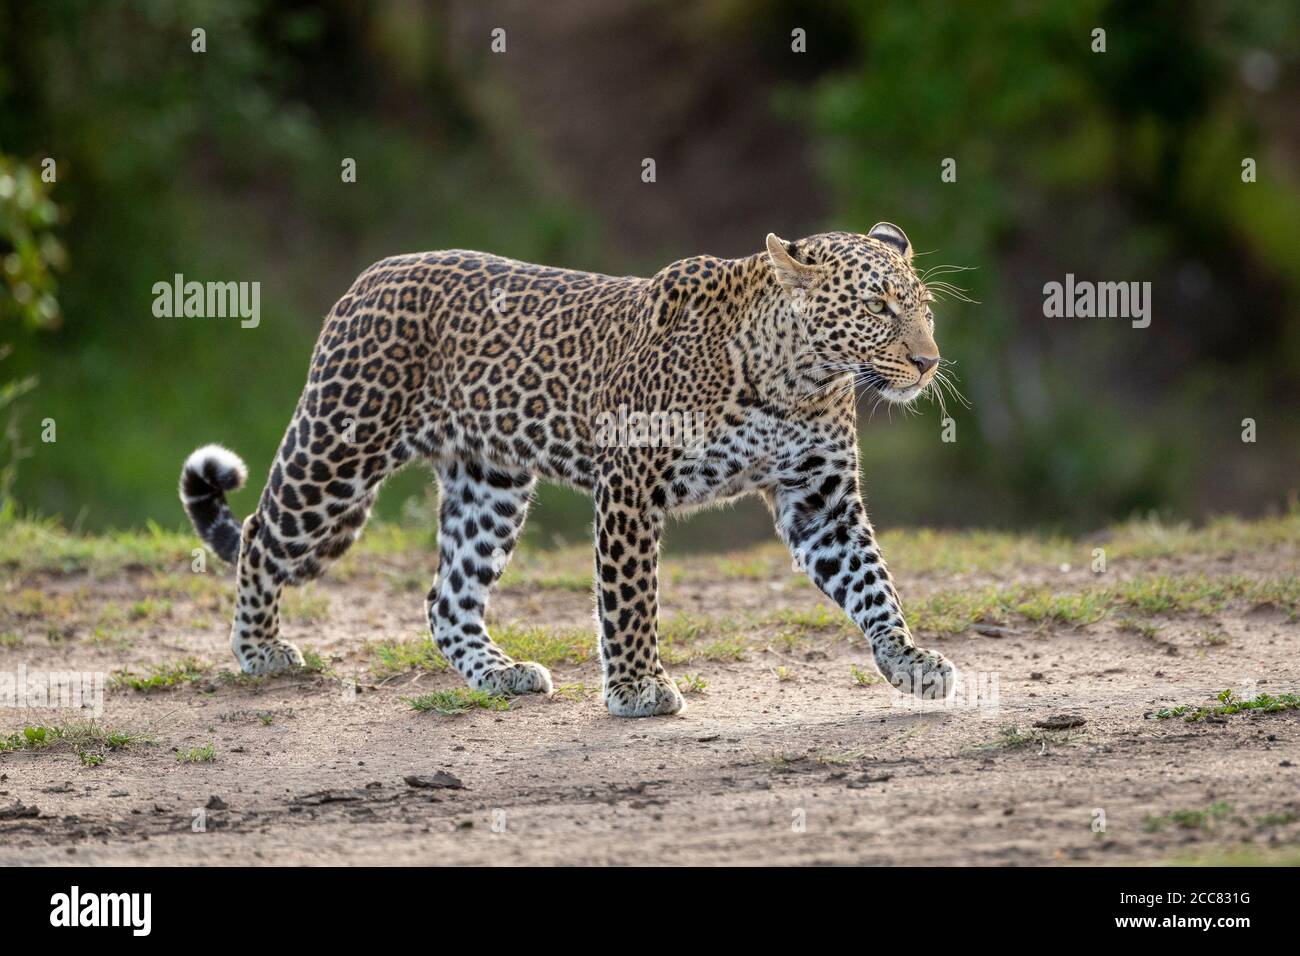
{"x": 861, "y": 307}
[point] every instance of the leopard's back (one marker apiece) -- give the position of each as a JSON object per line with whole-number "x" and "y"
{"x": 457, "y": 352}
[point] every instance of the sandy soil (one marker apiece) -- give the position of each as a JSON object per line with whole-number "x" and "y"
{"x": 784, "y": 759}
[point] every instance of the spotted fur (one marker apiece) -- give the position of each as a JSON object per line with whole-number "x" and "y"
{"x": 499, "y": 372}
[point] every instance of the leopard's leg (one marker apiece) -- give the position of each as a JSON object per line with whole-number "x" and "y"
{"x": 255, "y": 634}
{"x": 821, "y": 517}
{"x": 321, "y": 488}
{"x": 276, "y": 553}
{"x": 628, "y": 529}
{"x": 481, "y": 512}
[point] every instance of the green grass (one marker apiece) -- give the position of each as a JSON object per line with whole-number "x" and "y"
{"x": 34, "y": 544}
{"x": 561, "y": 569}
{"x": 579, "y": 582}
{"x": 304, "y": 605}
{"x": 458, "y": 700}
{"x": 1288, "y": 856}
{"x": 1200, "y": 819}
{"x": 575, "y": 691}
{"x": 109, "y": 637}
{"x": 951, "y": 612}
{"x": 161, "y": 676}
{"x": 1229, "y": 704}
{"x": 687, "y": 628}
{"x": 789, "y": 642}
{"x": 29, "y": 738}
{"x": 34, "y": 603}
{"x": 752, "y": 567}
{"x": 945, "y": 552}
{"x": 43, "y": 544}
{"x": 692, "y": 684}
{"x": 688, "y": 637}
{"x": 837, "y": 758}
{"x": 205, "y": 754}
{"x": 797, "y": 622}
{"x": 214, "y": 590}
{"x": 1072, "y": 608}
{"x": 863, "y": 677}
{"x": 397, "y": 656}
{"x": 723, "y": 649}
{"x": 314, "y": 663}
{"x": 150, "y": 609}
{"x": 1277, "y": 819}
{"x": 87, "y": 738}
{"x": 547, "y": 646}
{"x": 175, "y": 674}
{"x": 1013, "y": 738}
{"x": 1133, "y": 626}
{"x": 402, "y": 582}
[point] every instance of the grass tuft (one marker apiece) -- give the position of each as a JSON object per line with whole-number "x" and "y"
{"x": 1229, "y": 704}
{"x": 547, "y": 646}
{"x": 397, "y": 656}
{"x": 448, "y": 703}
{"x": 863, "y": 677}
{"x": 692, "y": 684}
{"x": 161, "y": 676}
{"x": 87, "y": 738}
{"x": 1203, "y": 819}
{"x": 205, "y": 754}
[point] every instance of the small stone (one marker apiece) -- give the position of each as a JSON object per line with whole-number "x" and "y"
{"x": 439, "y": 781}
{"x": 866, "y": 780}
{"x": 18, "y": 810}
{"x": 1061, "y": 722}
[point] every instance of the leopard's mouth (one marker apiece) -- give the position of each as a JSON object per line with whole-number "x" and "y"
{"x": 867, "y": 376}
{"x": 871, "y": 377}
{"x": 901, "y": 396}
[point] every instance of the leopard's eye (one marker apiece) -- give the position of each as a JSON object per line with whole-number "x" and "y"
{"x": 875, "y": 306}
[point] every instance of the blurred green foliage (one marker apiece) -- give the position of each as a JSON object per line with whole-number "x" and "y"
{"x": 211, "y": 165}
{"x": 29, "y": 255}
{"x": 1116, "y": 165}
{"x": 225, "y": 165}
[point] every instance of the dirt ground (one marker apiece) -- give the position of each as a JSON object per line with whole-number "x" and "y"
{"x": 785, "y": 758}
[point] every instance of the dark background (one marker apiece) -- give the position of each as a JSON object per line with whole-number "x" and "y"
{"x": 225, "y": 165}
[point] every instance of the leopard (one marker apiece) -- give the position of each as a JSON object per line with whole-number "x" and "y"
{"x": 498, "y": 373}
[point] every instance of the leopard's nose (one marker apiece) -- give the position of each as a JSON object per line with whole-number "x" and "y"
{"x": 924, "y": 363}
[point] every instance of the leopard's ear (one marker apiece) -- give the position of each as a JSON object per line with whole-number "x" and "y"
{"x": 892, "y": 236}
{"x": 789, "y": 271}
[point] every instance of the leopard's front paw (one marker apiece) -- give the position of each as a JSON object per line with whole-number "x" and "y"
{"x": 924, "y": 674}
{"x": 643, "y": 697}
{"x": 270, "y": 657}
{"x": 524, "y": 677}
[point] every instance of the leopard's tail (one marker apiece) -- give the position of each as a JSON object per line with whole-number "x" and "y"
{"x": 208, "y": 474}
